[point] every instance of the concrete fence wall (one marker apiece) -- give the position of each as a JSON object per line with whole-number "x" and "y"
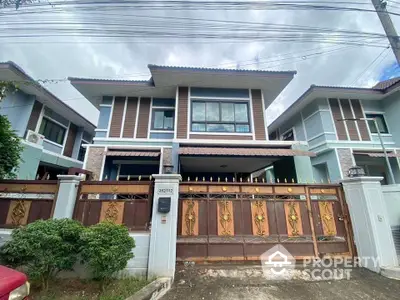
{"x": 391, "y": 195}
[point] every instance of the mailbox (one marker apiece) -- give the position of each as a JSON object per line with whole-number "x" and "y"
{"x": 164, "y": 205}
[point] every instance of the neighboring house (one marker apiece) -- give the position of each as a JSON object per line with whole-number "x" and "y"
{"x": 52, "y": 133}
{"x": 206, "y": 123}
{"x": 316, "y": 117}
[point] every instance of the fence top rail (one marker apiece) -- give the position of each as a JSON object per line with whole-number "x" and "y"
{"x": 306, "y": 185}
{"x": 28, "y": 182}
{"x": 116, "y": 182}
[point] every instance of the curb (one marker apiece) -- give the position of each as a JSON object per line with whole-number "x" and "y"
{"x": 391, "y": 272}
{"x": 154, "y": 290}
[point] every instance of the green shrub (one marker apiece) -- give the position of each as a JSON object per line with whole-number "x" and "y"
{"x": 106, "y": 249}
{"x": 44, "y": 248}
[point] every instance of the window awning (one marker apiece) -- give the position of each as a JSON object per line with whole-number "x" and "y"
{"x": 376, "y": 154}
{"x": 134, "y": 153}
{"x": 216, "y": 151}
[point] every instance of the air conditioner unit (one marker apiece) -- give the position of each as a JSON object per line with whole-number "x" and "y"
{"x": 34, "y": 137}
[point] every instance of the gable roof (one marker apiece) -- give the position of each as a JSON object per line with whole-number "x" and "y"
{"x": 10, "y": 71}
{"x": 383, "y": 85}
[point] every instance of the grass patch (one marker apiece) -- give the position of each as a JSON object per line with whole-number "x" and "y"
{"x": 76, "y": 289}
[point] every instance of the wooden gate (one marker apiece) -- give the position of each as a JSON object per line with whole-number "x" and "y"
{"x": 120, "y": 202}
{"x": 240, "y": 221}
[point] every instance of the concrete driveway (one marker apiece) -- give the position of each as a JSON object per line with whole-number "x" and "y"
{"x": 246, "y": 282}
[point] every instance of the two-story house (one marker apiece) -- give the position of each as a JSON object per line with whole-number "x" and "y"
{"x": 322, "y": 117}
{"x": 52, "y": 133}
{"x": 205, "y": 123}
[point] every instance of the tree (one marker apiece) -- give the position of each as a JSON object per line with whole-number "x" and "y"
{"x": 10, "y": 144}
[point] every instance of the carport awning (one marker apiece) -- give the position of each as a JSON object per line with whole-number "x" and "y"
{"x": 377, "y": 154}
{"x": 216, "y": 151}
{"x": 134, "y": 153}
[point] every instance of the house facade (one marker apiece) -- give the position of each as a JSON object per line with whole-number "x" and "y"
{"x": 52, "y": 133}
{"x": 322, "y": 117}
{"x": 206, "y": 124}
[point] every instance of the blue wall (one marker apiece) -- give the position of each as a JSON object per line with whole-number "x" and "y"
{"x": 392, "y": 116}
{"x": 332, "y": 163}
{"x": 18, "y": 107}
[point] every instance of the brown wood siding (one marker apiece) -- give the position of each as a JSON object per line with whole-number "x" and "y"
{"x": 69, "y": 144}
{"x": 351, "y": 125}
{"x": 130, "y": 117}
{"x": 340, "y": 129}
{"x": 117, "y": 115}
{"x": 258, "y": 115}
{"x": 35, "y": 114}
{"x": 144, "y": 115}
{"x": 221, "y": 137}
{"x": 362, "y": 124}
{"x": 183, "y": 99}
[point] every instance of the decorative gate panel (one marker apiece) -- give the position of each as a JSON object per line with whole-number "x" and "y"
{"x": 240, "y": 221}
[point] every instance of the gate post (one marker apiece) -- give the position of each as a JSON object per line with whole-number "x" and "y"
{"x": 162, "y": 252}
{"x": 372, "y": 232}
{"x": 66, "y": 196}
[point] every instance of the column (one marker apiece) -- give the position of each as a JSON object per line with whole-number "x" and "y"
{"x": 303, "y": 166}
{"x": 370, "y": 221}
{"x": 162, "y": 252}
{"x": 66, "y": 197}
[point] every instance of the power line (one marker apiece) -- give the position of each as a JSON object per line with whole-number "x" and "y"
{"x": 370, "y": 65}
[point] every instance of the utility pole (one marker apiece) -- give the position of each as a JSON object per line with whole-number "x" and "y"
{"x": 390, "y": 30}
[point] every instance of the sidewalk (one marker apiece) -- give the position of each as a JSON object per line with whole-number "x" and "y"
{"x": 244, "y": 282}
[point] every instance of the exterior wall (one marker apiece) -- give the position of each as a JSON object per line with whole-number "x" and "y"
{"x": 332, "y": 164}
{"x": 391, "y": 196}
{"x": 117, "y": 116}
{"x": 144, "y": 116}
{"x": 77, "y": 143}
{"x": 53, "y": 147}
{"x": 70, "y": 142}
{"x": 183, "y": 110}
{"x": 258, "y": 114}
{"x": 130, "y": 117}
{"x": 345, "y": 160}
{"x": 392, "y": 112}
{"x": 30, "y": 157}
{"x": 95, "y": 161}
{"x": 166, "y": 158}
{"x": 138, "y": 265}
{"x": 18, "y": 108}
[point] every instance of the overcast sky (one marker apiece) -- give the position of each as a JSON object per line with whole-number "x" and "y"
{"x": 74, "y": 56}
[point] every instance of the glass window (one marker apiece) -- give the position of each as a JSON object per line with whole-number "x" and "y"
{"x": 82, "y": 152}
{"x": 212, "y": 111}
{"x": 163, "y": 119}
{"x": 380, "y": 121}
{"x": 199, "y": 111}
{"x": 241, "y": 114}
{"x": 227, "y": 112}
{"x": 52, "y": 131}
{"x": 218, "y": 116}
{"x": 104, "y": 117}
{"x": 288, "y": 136}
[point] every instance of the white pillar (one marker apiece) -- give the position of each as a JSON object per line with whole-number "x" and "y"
{"x": 370, "y": 220}
{"x": 66, "y": 198}
{"x": 162, "y": 252}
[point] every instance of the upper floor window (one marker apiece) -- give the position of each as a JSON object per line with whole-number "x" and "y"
{"x": 215, "y": 116}
{"x": 380, "y": 121}
{"x": 288, "y": 135}
{"x": 163, "y": 119}
{"x": 52, "y": 131}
